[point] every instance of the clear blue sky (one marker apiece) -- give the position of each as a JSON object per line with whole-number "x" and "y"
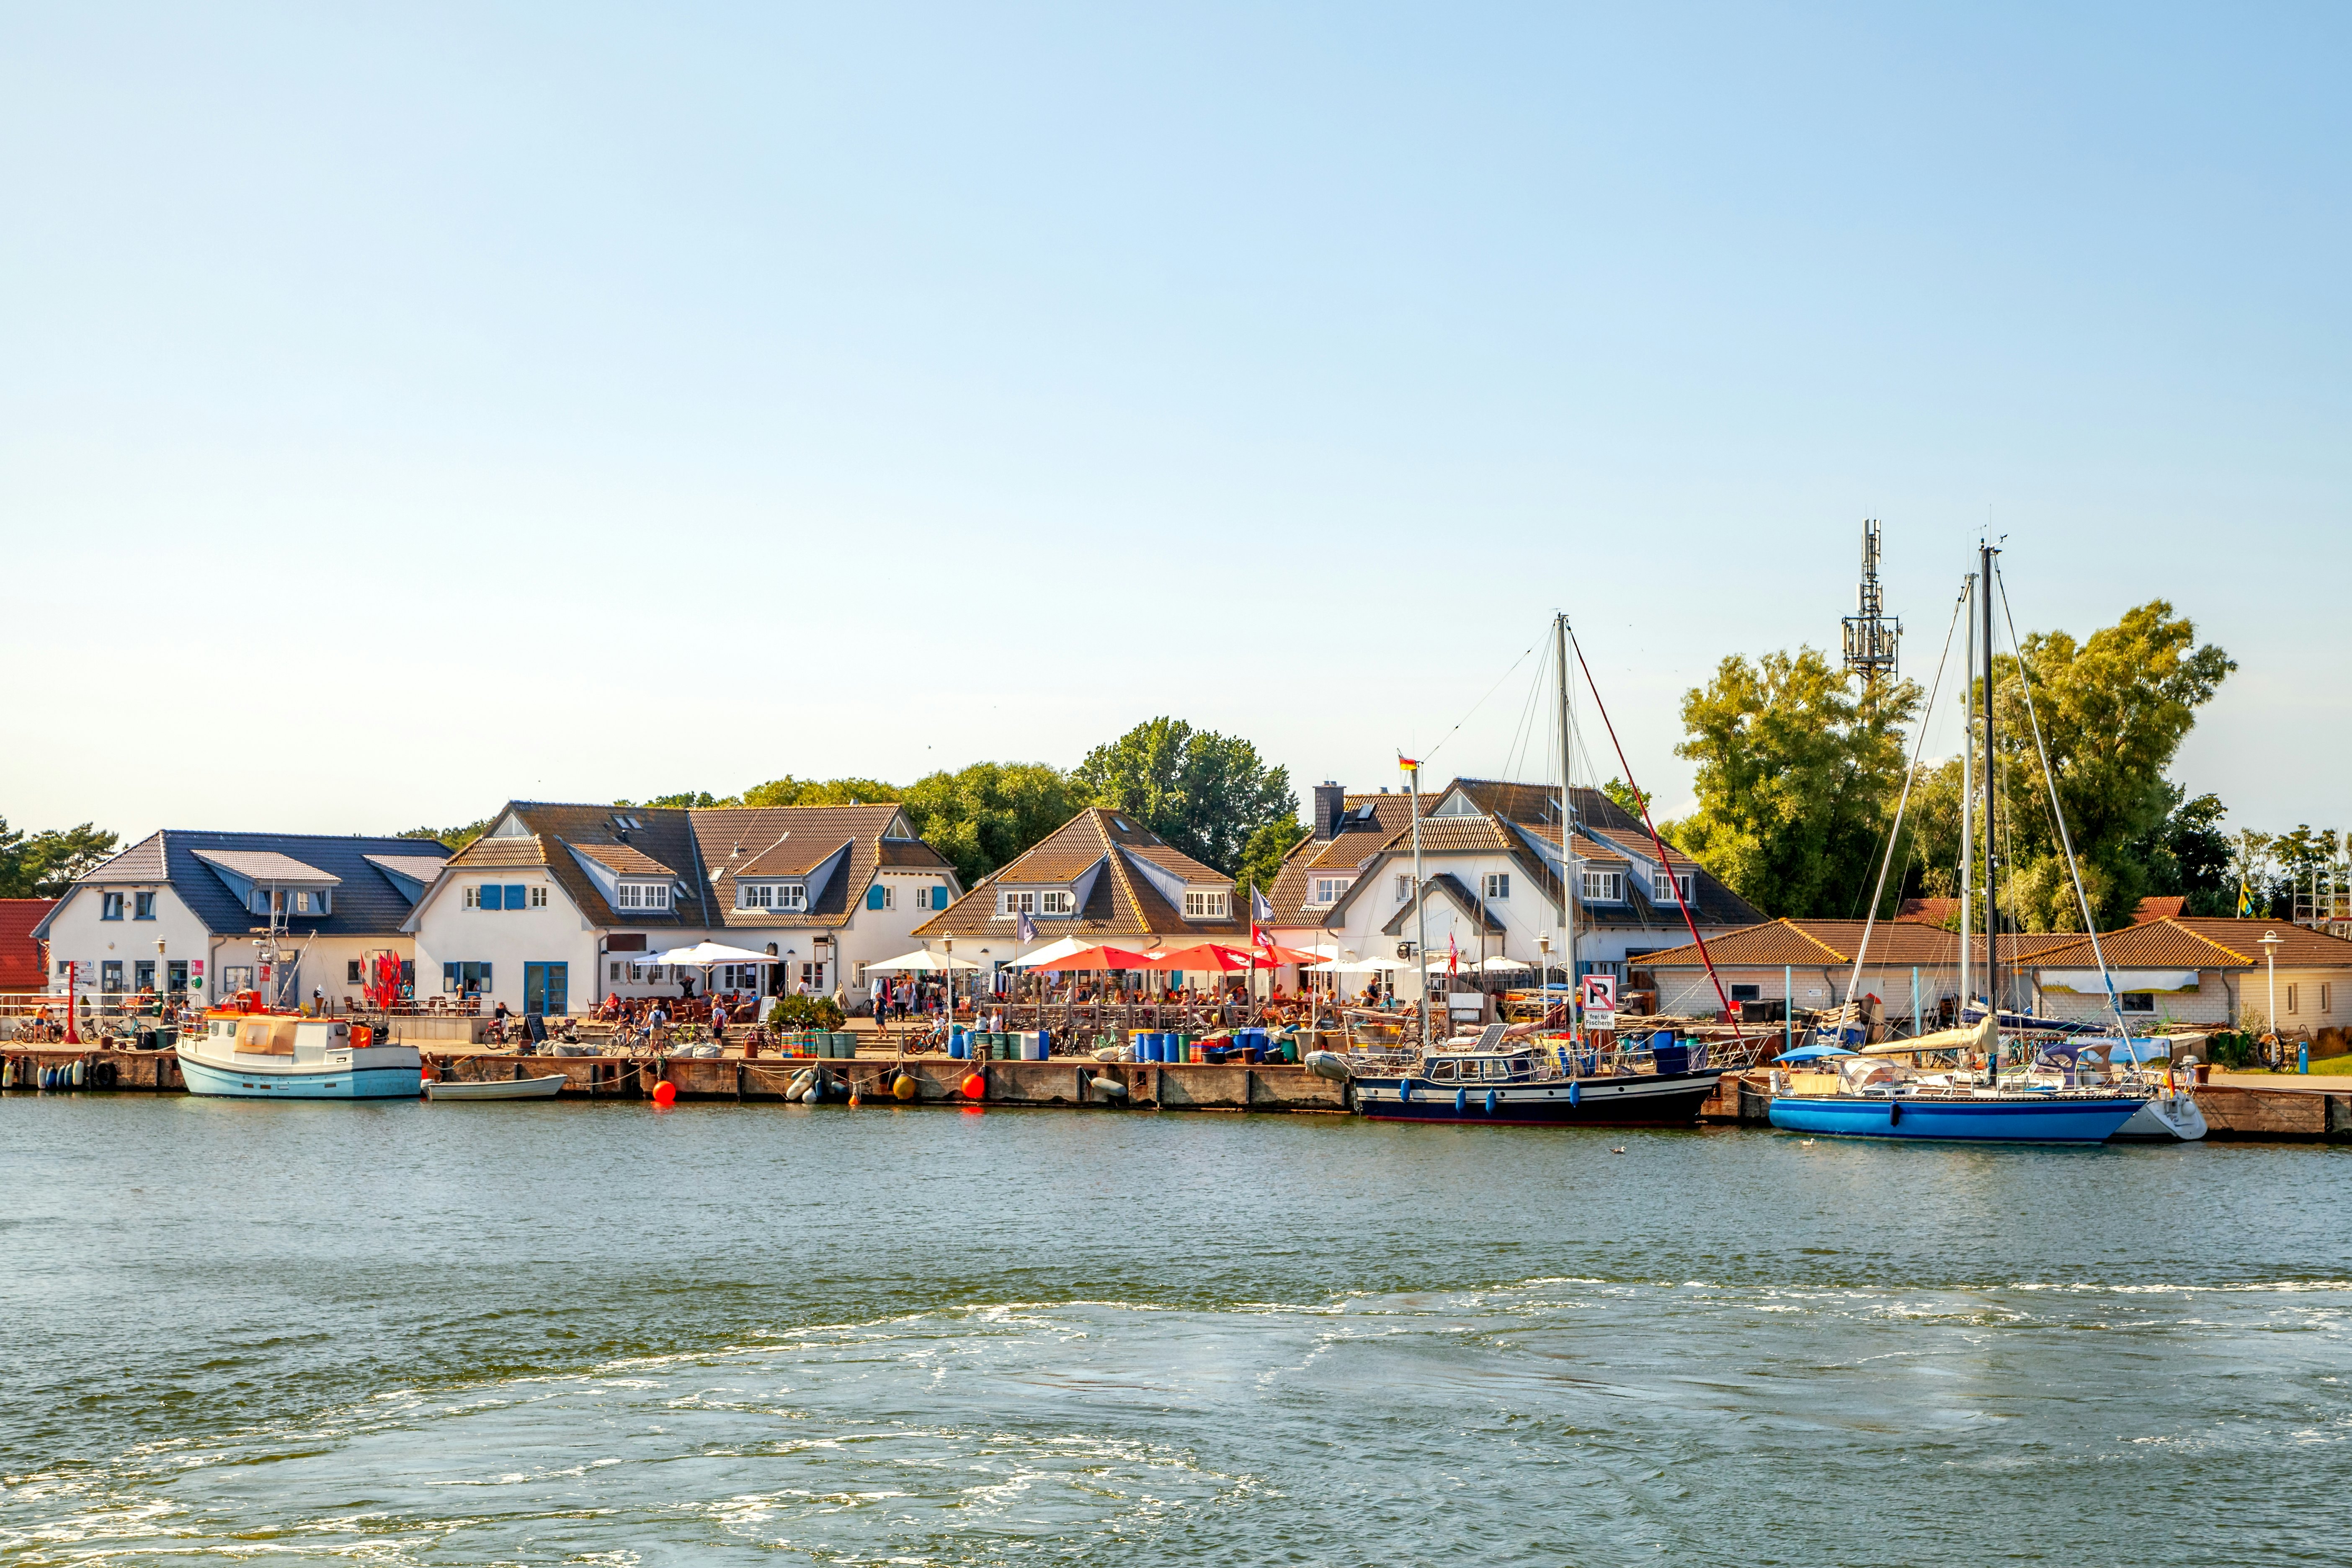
{"x": 587, "y": 403}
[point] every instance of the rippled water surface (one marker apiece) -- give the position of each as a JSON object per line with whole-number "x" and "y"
{"x": 524, "y": 1334}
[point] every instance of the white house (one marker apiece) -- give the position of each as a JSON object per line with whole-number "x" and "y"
{"x": 179, "y": 909}
{"x": 1490, "y": 855}
{"x": 557, "y": 905}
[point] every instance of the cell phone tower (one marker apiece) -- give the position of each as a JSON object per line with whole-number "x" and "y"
{"x": 1872, "y": 636}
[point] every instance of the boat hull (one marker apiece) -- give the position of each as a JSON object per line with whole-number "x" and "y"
{"x": 1956, "y": 1121}
{"x": 239, "y": 1081}
{"x": 495, "y": 1088}
{"x": 2164, "y": 1121}
{"x": 1643, "y": 1100}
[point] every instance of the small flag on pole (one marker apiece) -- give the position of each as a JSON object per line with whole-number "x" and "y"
{"x": 2245, "y": 901}
{"x": 1261, "y": 908}
{"x": 1025, "y": 928}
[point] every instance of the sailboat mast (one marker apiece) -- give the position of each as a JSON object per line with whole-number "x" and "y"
{"x": 1567, "y": 822}
{"x": 1420, "y": 900}
{"x": 1968, "y": 793}
{"x": 1992, "y": 885}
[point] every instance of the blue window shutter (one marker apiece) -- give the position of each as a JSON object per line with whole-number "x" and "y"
{"x": 940, "y": 897}
{"x": 873, "y": 897}
{"x": 515, "y": 895}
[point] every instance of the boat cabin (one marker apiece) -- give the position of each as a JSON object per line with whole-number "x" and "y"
{"x": 285, "y": 1035}
{"x": 1480, "y": 1069}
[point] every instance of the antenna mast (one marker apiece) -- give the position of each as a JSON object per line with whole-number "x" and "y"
{"x": 1872, "y": 636}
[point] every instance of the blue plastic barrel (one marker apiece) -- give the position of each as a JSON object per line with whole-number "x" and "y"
{"x": 1044, "y": 1044}
{"x": 955, "y": 1044}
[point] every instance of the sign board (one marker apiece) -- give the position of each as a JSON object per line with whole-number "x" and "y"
{"x": 1599, "y": 1001}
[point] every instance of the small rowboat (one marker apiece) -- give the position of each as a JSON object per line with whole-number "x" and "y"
{"x": 494, "y": 1087}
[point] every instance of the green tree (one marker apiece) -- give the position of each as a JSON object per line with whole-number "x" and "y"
{"x": 1631, "y": 801}
{"x": 1204, "y": 793}
{"x": 1796, "y": 781}
{"x": 983, "y": 815}
{"x": 790, "y": 791}
{"x": 689, "y": 800}
{"x": 455, "y": 837}
{"x": 2114, "y": 711}
{"x": 1262, "y": 856}
{"x": 44, "y": 865}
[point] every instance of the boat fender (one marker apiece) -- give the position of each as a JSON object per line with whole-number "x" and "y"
{"x": 1461, "y": 1102}
{"x": 1328, "y": 1064}
{"x": 1575, "y": 1093}
{"x": 78, "y": 1073}
{"x": 1894, "y": 1114}
{"x": 1490, "y": 1102}
{"x": 904, "y": 1086}
{"x": 1111, "y": 1086}
{"x": 1404, "y": 1091}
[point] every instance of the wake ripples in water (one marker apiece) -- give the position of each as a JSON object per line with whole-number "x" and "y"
{"x": 545, "y": 1372}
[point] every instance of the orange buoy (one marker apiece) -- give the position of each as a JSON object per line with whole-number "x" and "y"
{"x": 904, "y": 1087}
{"x": 975, "y": 1086}
{"x": 664, "y": 1092}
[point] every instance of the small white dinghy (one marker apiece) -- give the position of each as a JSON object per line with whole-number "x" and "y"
{"x": 494, "y": 1087}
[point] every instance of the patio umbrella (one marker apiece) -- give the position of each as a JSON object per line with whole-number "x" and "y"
{"x": 1813, "y": 1053}
{"x": 921, "y": 961}
{"x": 1272, "y": 953}
{"x": 703, "y": 954}
{"x": 1208, "y": 955}
{"x": 1501, "y": 965}
{"x": 1051, "y": 950}
{"x": 1093, "y": 960}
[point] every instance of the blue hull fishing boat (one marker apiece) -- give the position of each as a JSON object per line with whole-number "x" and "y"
{"x": 1544, "y": 1087}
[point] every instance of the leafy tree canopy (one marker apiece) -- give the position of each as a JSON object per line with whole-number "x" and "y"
{"x": 1632, "y": 800}
{"x": 1262, "y": 856}
{"x": 1204, "y": 793}
{"x": 983, "y": 815}
{"x": 1796, "y": 780}
{"x": 44, "y": 864}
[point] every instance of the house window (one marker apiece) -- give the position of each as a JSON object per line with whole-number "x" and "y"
{"x": 109, "y": 975}
{"x": 110, "y": 907}
{"x": 350, "y": 971}
{"x": 923, "y": 897}
{"x": 2324, "y": 997}
{"x": 755, "y": 896}
{"x": 887, "y": 896}
{"x": 1663, "y": 889}
{"x": 1404, "y": 887}
{"x": 1206, "y": 906}
{"x": 1605, "y": 887}
{"x": 1016, "y": 903}
{"x": 1748, "y": 993}
{"x": 538, "y": 895}
{"x": 1329, "y": 888}
{"x": 1053, "y": 903}
{"x": 468, "y": 979}
{"x": 644, "y": 895}
{"x": 1498, "y": 884}
{"x": 143, "y": 906}
{"x": 2290, "y": 1000}
{"x": 474, "y": 900}
{"x": 2137, "y": 1001}
{"x": 143, "y": 975}
{"x": 614, "y": 969}
{"x": 792, "y": 895}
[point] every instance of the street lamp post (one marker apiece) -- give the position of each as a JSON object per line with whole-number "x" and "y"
{"x": 2271, "y": 940}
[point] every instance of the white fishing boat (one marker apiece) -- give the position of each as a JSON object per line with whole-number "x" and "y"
{"x": 542, "y": 1088}
{"x": 246, "y": 1052}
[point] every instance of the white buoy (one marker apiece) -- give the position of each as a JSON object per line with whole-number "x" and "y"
{"x": 1111, "y": 1087}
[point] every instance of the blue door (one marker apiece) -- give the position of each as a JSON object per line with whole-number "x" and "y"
{"x": 546, "y": 988}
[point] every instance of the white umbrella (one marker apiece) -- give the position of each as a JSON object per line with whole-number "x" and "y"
{"x": 920, "y": 960}
{"x": 1499, "y": 966}
{"x": 1051, "y": 950}
{"x": 703, "y": 954}
{"x": 1360, "y": 966}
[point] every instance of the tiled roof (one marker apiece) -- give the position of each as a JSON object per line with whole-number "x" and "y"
{"x": 1122, "y": 901}
{"x": 264, "y": 865}
{"x": 793, "y": 841}
{"x": 663, "y": 837}
{"x": 367, "y": 903}
{"x": 1933, "y": 911}
{"x": 625, "y": 859}
{"x": 2202, "y": 941}
{"x": 416, "y": 868}
{"x": 2159, "y": 908}
{"x": 1812, "y": 943}
{"x": 22, "y": 965}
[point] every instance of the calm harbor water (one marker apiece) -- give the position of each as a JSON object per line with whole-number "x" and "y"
{"x": 525, "y": 1334}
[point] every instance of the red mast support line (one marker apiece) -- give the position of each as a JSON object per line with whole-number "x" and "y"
{"x": 1729, "y": 1011}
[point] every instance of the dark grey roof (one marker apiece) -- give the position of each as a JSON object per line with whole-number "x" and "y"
{"x": 367, "y": 904}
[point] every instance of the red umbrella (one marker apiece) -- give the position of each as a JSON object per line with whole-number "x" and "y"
{"x": 1093, "y": 960}
{"x": 1208, "y": 955}
{"x": 1272, "y": 953}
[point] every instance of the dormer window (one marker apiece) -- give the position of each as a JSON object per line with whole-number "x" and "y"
{"x": 1009, "y": 903}
{"x": 306, "y": 903}
{"x": 1207, "y": 906}
{"x": 1326, "y": 891}
{"x": 644, "y": 896}
{"x": 1605, "y": 887}
{"x": 771, "y": 895}
{"x": 1664, "y": 888}
{"x": 1054, "y": 903}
